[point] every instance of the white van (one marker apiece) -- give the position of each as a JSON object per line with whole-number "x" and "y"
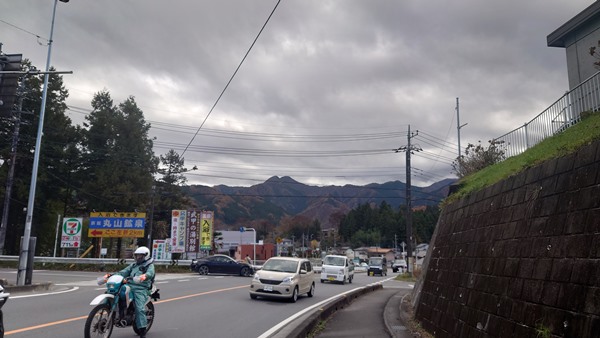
{"x": 337, "y": 269}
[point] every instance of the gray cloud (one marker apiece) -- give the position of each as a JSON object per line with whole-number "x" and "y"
{"x": 321, "y": 68}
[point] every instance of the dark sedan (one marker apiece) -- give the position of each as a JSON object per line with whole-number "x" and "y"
{"x": 221, "y": 264}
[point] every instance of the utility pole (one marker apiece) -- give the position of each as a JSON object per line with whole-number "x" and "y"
{"x": 458, "y": 126}
{"x": 409, "y": 149}
{"x": 25, "y": 249}
{"x": 149, "y": 235}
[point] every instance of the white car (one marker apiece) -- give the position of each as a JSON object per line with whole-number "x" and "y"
{"x": 337, "y": 269}
{"x": 283, "y": 277}
{"x": 399, "y": 265}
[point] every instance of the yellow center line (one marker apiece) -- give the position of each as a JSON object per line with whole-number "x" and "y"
{"x": 41, "y": 326}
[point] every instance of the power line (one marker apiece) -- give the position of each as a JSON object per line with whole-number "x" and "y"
{"x": 231, "y": 78}
{"x": 24, "y": 30}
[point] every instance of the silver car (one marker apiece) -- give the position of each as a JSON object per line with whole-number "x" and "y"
{"x": 283, "y": 277}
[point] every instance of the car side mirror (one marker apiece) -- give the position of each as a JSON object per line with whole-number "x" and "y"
{"x": 302, "y": 272}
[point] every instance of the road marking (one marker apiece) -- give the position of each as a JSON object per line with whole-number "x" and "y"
{"x": 41, "y": 326}
{"x": 201, "y": 294}
{"x": 45, "y": 294}
{"x": 183, "y": 280}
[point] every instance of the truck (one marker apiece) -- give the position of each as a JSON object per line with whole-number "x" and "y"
{"x": 337, "y": 268}
{"x": 377, "y": 266}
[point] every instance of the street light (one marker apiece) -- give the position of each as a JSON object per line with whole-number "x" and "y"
{"x": 23, "y": 257}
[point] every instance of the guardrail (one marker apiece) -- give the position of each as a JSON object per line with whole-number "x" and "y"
{"x": 562, "y": 114}
{"x": 67, "y": 260}
{"x": 70, "y": 260}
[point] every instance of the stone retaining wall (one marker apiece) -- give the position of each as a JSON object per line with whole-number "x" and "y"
{"x": 519, "y": 258}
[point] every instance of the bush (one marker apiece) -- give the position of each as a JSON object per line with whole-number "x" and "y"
{"x": 477, "y": 157}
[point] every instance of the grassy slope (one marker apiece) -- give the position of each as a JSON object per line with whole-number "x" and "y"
{"x": 585, "y": 132}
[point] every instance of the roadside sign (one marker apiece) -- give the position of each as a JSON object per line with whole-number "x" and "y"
{"x": 129, "y": 233}
{"x": 117, "y": 224}
{"x": 206, "y": 229}
{"x": 71, "y": 233}
{"x": 178, "y": 228}
{"x": 160, "y": 250}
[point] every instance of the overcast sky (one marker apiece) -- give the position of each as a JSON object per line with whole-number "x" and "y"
{"x": 326, "y": 93}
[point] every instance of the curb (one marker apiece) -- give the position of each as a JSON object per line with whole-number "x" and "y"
{"x": 26, "y": 288}
{"x": 307, "y": 323}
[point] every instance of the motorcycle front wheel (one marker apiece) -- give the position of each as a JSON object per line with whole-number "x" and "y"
{"x": 99, "y": 323}
{"x": 149, "y": 318}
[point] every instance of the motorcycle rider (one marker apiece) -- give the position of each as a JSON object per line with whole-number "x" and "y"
{"x": 142, "y": 273}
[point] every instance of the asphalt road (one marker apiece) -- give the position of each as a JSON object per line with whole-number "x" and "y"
{"x": 190, "y": 305}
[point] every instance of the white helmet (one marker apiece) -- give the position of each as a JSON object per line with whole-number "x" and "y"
{"x": 142, "y": 250}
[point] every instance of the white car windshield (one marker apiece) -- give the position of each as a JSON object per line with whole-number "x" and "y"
{"x": 329, "y": 260}
{"x": 280, "y": 265}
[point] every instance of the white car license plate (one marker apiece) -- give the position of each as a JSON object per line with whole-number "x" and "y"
{"x": 268, "y": 288}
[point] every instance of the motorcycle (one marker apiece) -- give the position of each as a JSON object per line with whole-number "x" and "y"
{"x": 3, "y": 300}
{"x": 115, "y": 307}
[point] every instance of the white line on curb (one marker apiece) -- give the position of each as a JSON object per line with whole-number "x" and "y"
{"x": 278, "y": 327}
{"x": 45, "y": 294}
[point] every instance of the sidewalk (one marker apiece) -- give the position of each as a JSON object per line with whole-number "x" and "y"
{"x": 375, "y": 314}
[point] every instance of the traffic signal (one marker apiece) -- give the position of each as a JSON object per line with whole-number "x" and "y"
{"x": 9, "y": 82}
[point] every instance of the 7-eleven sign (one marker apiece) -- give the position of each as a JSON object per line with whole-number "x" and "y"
{"x": 71, "y": 233}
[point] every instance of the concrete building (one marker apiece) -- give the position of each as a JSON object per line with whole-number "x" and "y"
{"x": 577, "y": 36}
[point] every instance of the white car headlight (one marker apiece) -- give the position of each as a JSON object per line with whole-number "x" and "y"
{"x": 256, "y": 277}
{"x": 288, "y": 280}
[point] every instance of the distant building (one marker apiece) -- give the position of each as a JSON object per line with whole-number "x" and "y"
{"x": 264, "y": 251}
{"x": 377, "y": 252}
{"x": 231, "y": 240}
{"x": 577, "y": 36}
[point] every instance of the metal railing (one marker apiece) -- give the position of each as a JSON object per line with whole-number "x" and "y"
{"x": 102, "y": 261}
{"x": 562, "y": 114}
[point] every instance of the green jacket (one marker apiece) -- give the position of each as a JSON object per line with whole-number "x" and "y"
{"x": 135, "y": 269}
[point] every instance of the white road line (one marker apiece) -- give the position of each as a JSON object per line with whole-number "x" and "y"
{"x": 45, "y": 294}
{"x": 183, "y": 280}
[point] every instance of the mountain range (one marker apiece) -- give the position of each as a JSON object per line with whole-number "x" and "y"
{"x": 280, "y": 197}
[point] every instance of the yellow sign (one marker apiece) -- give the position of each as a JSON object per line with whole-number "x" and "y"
{"x": 111, "y": 214}
{"x": 139, "y": 233}
{"x": 206, "y": 229}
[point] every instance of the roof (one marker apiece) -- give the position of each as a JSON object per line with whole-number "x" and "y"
{"x": 560, "y": 35}
{"x": 379, "y": 250}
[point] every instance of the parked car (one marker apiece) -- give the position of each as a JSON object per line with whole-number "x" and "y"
{"x": 399, "y": 265}
{"x": 283, "y": 277}
{"x": 335, "y": 268}
{"x": 362, "y": 267}
{"x": 221, "y": 264}
{"x": 377, "y": 266}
